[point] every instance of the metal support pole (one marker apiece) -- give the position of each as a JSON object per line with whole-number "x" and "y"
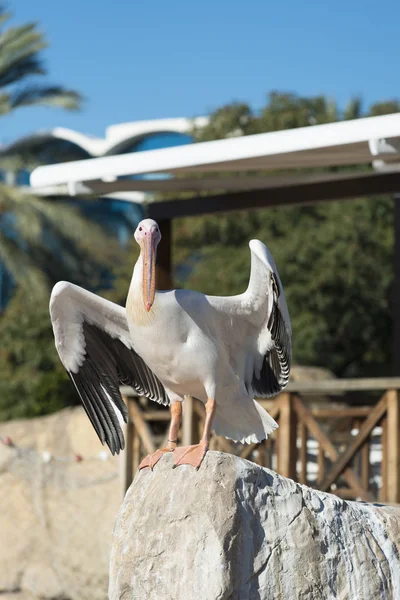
{"x": 164, "y": 256}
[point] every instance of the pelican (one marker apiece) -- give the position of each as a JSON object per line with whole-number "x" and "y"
{"x": 165, "y": 345}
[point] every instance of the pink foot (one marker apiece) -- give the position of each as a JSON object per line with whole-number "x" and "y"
{"x": 152, "y": 459}
{"x": 190, "y": 455}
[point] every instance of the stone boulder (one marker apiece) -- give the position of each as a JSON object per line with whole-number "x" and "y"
{"x": 56, "y": 517}
{"x": 236, "y": 531}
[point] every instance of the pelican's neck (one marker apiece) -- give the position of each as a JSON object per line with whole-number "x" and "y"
{"x": 135, "y": 307}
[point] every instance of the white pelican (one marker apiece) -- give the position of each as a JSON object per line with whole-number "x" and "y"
{"x": 221, "y": 350}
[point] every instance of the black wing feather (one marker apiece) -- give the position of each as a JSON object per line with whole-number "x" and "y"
{"x": 108, "y": 364}
{"x": 275, "y": 371}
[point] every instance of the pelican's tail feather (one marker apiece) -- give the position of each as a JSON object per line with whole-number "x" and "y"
{"x": 249, "y": 425}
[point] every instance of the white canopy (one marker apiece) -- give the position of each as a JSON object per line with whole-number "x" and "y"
{"x": 373, "y": 139}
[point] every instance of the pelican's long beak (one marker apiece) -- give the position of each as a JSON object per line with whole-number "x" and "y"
{"x": 149, "y": 270}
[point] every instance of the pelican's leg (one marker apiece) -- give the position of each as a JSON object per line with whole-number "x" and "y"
{"x": 193, "y": 455}
{"x": 176, "y": 417}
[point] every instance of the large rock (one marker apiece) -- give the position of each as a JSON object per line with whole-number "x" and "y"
{"x": 234, "y": 530}
{"x": 56, "y": 517}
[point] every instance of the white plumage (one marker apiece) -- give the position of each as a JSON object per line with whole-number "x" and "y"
{"x": 223, "y": 350}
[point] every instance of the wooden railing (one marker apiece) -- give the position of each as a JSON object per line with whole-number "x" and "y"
{"x": 327, "y": 443}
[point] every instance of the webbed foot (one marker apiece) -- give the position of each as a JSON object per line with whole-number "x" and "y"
{"x": 152, "y": 459}
{"x": 190, "y": 455}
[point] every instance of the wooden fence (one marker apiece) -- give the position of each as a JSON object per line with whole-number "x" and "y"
{"x": 323, "y": 440}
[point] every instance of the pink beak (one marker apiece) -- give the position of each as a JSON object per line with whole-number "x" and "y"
{"x": 149, "y": 269}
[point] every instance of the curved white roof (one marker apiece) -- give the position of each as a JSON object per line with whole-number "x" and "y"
{"x": 116, "y": 135}
{"x": 128, "y": 132}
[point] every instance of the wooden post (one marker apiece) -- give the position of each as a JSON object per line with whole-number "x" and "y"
{"x": 303, "y": 454}
{"x": 287, "y": 450}
{"x": 365, "y": 465}
{"x": 126, "y": 456}
{"x": 383, "y": 490}
{"x": 269, "y": 452}
{"x": 364, "y": 457}
{"x": 261, "y": 458}
{"x": 142, "y": 427}
{"x": 187, "y": 421}
{"x": 393, "y": 447}
{"x": 199, "y": 416}
{"x": 321, "y": 464}
{"x": 135, "y": 451}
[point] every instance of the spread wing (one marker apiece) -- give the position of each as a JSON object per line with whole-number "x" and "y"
{"x": 256, "y": 327}
{"x": 93, "y": 342}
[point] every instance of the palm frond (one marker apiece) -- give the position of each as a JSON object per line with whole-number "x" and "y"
{"x": 20, "y": 59}
{"x": 55, "y": 96}
{"x": 16, "y": 41}
{"x": 33, "y": 214}
{"x": 19, "y": 53}
{"x": 20, "y": 68}
{"x": 55, "y": 238}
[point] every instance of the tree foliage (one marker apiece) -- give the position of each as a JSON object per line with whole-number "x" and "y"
{"x": 285, "y": 111}
{"x": 335, "y": 262}
{"x": 20, "y": 64}
{"x": 41, "y": 242}
{"x": 32, "y": 380}
{"x": 335, "y": 259}
{"x": 33, "y": 232}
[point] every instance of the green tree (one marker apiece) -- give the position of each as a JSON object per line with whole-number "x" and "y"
{"x": 232, "y": 120}
{"x": 41, "y": 242}
{"x": 32, "y": 380}
{"x": 27, "y": 222}
{"x": 353, "y": 109}
{"x": 288, "y": 111}
{"x": 335, "y": 259}
{"x": 384, "y": 108}
{"x": 20, "y": 60}
{"x": 335, "y": 262}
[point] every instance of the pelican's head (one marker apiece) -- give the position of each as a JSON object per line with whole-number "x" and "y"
{"x": 148, "y": 235}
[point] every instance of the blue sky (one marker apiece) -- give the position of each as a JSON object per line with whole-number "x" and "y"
{"x": 144, "y": 60}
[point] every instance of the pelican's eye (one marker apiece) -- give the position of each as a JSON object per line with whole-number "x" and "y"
{"x": 140, "y": 229}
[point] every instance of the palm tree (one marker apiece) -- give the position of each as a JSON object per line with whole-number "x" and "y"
{"x": 41, "y": 241}
{"x": 20, "y": 59}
